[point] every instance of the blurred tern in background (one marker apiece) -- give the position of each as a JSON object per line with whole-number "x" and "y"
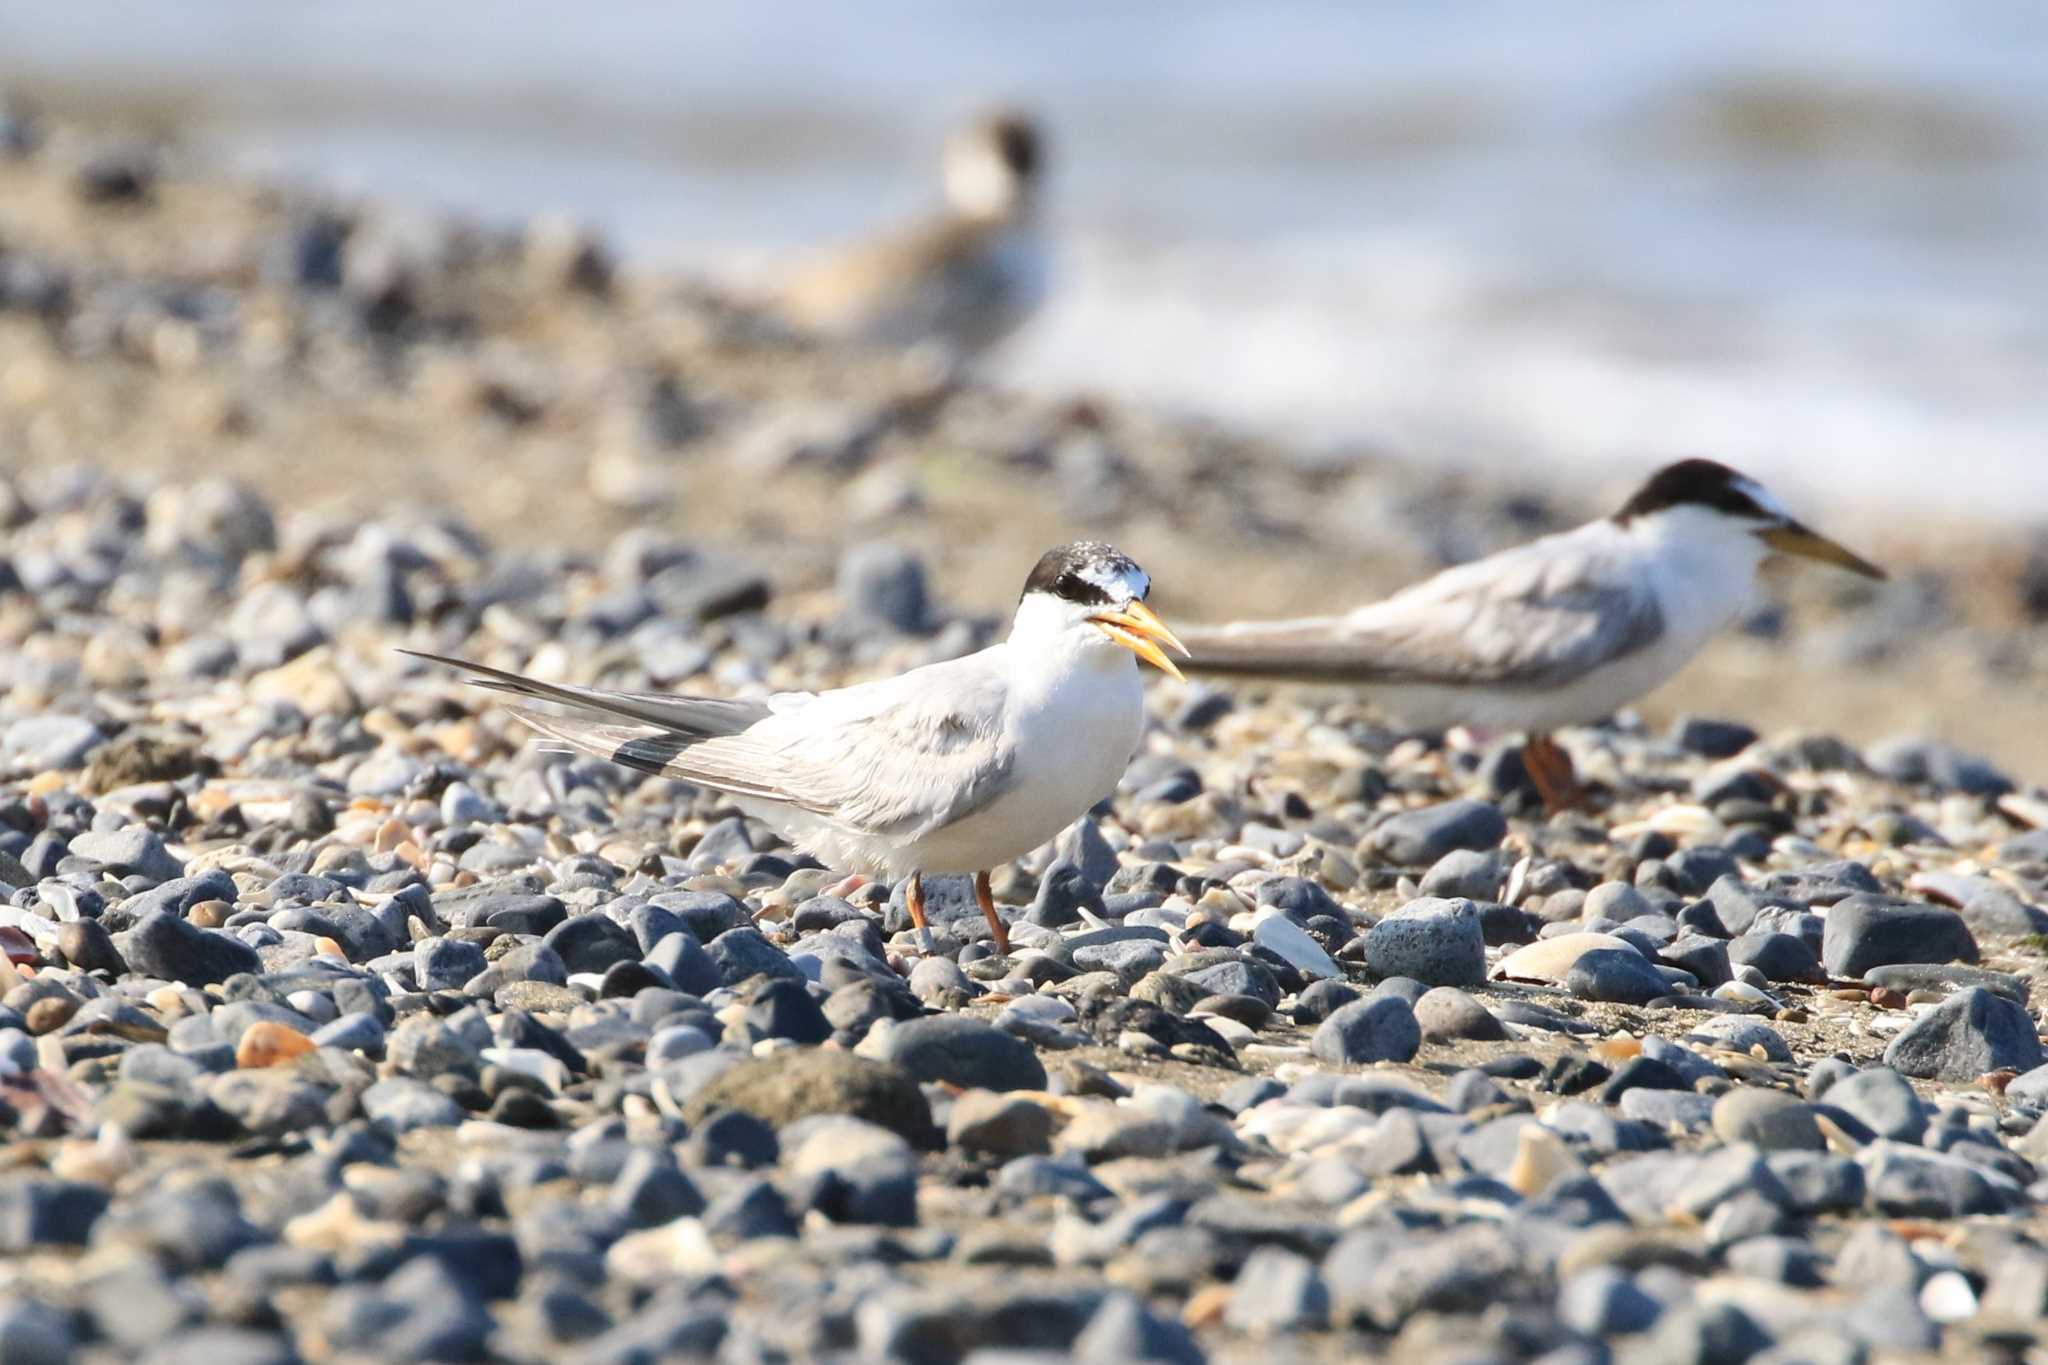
{"x": 955, "y": 767}
{"x": 1561, "y": 631}
{"x": 963, "y": 280}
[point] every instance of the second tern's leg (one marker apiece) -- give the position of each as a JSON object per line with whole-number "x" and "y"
{"x": 913, "y": 897}
{"x": 986, "y": 895}
{"x": 1550, "y": 769}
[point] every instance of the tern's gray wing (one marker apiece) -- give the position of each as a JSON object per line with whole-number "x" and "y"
{"x": 1541, "y": 616}
{"x": 898, "y": 758}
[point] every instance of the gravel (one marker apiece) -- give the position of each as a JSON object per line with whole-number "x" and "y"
{"x": 340, "y": 1019}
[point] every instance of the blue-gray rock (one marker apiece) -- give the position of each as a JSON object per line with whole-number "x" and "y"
{"x": 402, "y": 1105}
{"x": 1997, "y": 912}
{"x": 1602, "y": 1302}
{"x": 162, "y": 945}
{"x": 1883, "y": 1101}
{"x": 1918, "y": 760}
{"x": 37, "y": 1213}
{"x": 1666, "y": 1109}
{"x": 33, "y": 1333}
{"x": 1711, "y": 738}
{"x": 1769, "y": 1119}
{"x": 742, "y": 953}
{"x": 650, "y": 1190}
{"x": 35, "y": 743}
{"x": 1946, "y": 976}
{"x": 447, "y": 964}
{"x": 961, "y": 1051}
{"x": 1124, "y": 1330}
{"x": 1909, "y": 1182}
{"x": 1277, "y": 1291}
{"x": 1866, "y": 931}
{"x": 881, "y": 584}
{"x": 785, "y": 1009}
{"x": 1417, "y": 837}
{"x": 1465, "y": 874}
{"x": 355, "y": 1032}
{"x": 1704, "y": 1333}
{"x": 1063, "y": 893}
{"x": 1321, "y": 999}
{"x": 1437, "y": 942}
{"x": 1382, "y": 1030}
{"x": 1082, "y": 844}
{"x": 594, "y": 943}
{"x": 1238, "y": 977}
{"x": 1818, "y": 1183}
{"x": 1970, "y": 1033}
{"x": 1706, "y": 958}
{"x": 1780, "y": 957}
{"x": 1618, "y": 975}
{"x": 687, "y": 963}
{"x": 1446, "y": 1013}
{"x": 138, "y": 849}
{"x": 706, "y": 914}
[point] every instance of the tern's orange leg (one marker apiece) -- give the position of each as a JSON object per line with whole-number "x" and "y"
{"x": 913, "y": 898}
{"x": 1550, "y": 769}
{"x": 986, "y": 895}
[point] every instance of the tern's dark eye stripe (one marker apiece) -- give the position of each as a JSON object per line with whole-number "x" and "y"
{"x": 1084, "y": 573}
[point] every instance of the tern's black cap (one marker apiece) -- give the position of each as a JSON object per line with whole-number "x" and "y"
{"x": 1089, "y": 573}
{"x": 1699, "y": 483}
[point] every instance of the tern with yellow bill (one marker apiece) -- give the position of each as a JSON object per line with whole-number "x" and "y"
{"x": 956, "y": 767}
{"x": 1561, "y": 631}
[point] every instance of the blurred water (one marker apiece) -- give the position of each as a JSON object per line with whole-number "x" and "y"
{"x": 1573, "y": 236}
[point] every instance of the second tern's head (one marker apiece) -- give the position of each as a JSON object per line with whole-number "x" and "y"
{"x": 1704, "y": 500}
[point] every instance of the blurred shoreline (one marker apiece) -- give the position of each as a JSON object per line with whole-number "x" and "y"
{"x": 1492, "y": 246}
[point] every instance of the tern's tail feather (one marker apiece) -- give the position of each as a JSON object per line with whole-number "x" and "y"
{"x": 693, "y": 717}
{"x": 1308, "y": 649}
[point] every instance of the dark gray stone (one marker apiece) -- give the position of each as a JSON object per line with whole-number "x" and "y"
{"x": 1970, "y": 1033}
{"x": 162, "y": 945}
{"x": 1865, "y": 931}
{"x": 1419, "y": 837}
{"x": 1883, "y": 1101}
{"x": 961, "y": 1051}
{"x": 1619, "y": 975}
{"x": 1437, "y": 942}
{"x": 1382, "y": 1030}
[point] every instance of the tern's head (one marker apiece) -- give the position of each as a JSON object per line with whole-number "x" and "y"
{"x": 1091, "y": 596}
{"x": 1704, "y": 500}
{"x": 993, "y": 165}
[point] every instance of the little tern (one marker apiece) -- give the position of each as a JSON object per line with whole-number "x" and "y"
{"x": 965, "y": 278}
{"x": 956, "y": 767}
{"x": 1561, "y": 631}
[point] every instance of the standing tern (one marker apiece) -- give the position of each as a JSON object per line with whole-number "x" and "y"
{"x": 965, "y": 278}
{"x": 1561, "y": 631}
{"x": 955, "y": 767}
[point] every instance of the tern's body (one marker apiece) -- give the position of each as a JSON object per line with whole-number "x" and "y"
{"x": 1561, "y": 631}
{"x": 963, "y": 279}
{"x": 955, "y": 767}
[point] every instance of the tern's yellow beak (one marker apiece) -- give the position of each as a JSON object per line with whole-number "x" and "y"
{"x": 1139, "y": 629}
{"x": 1793, "y": 539}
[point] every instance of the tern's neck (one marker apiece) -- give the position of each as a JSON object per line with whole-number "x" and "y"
{"x": 1049, "y": 647}
{"x": 1703, "y": 556}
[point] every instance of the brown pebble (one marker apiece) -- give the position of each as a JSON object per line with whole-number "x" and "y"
{"x": 267, "y": 1043}
{"x": 1925, "y": 997}
{"x": 1885, "y": 998}
{"x": 1792, "y": 1014}
{"x": 1854, "y": 993}
{"x": 210, "y": 914}
{"x": 1617, "y": 1049}
{"x": 1997, "y": 1081}
{"x": 51, "y": 1013}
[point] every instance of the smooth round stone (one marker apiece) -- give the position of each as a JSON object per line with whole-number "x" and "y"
{"x": 1248, "y": 1010}
{"x": 1622, "y": 976}
{"x": 1447, "y": 1012}
{"x": 1770, "y": 1119}
{"x": 1381, "y": 1030}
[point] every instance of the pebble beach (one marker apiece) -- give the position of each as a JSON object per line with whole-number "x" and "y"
{"x": 338, "y": 1022}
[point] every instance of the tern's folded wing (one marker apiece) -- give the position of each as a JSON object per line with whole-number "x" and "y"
{"x": 1526, "y": 621}
{"x": 898, "y": 758}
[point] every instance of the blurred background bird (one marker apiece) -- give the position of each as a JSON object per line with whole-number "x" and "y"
{"x": 961, "y": 280}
